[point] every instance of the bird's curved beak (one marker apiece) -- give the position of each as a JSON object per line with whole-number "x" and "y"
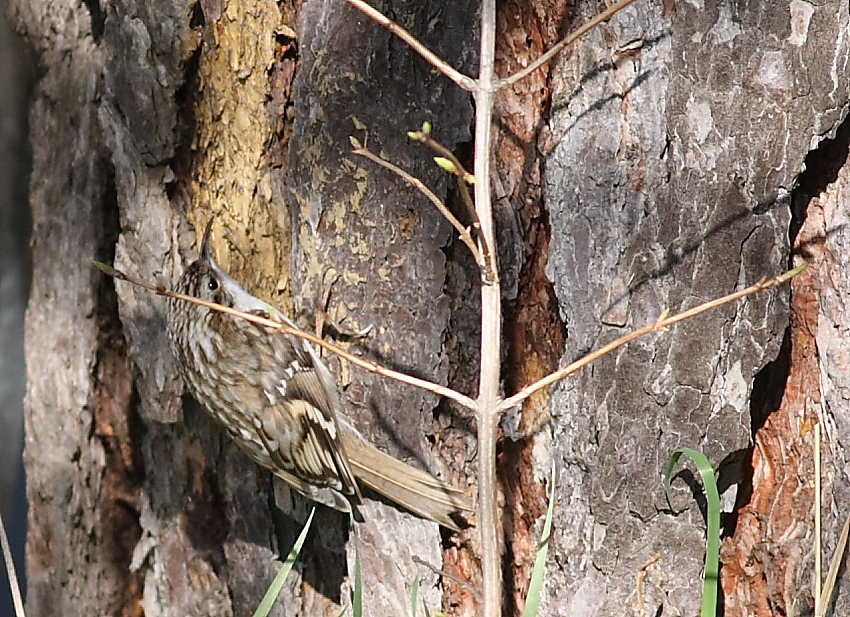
{"x": 206, "y": 255}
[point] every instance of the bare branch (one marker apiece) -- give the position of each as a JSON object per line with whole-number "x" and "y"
{"x": 475, "y": 593}
{"x": 368, "y": 365}
{"x": 489, "y": 396}
{"x": 465, "y": 236}
{"x": 15, "y": 588}
{"x": 641, "y": 576}
{"x": 663, "y": 322}
{"x": 558, "y": 48}
{"x": 459, "y": 170}
{"x": 467, "y": 83}
{"x": 464, "y": 178}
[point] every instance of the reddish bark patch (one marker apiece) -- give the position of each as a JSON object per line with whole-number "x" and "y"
{"x": 116, "y": 427}
{"x": 534, "y": 333}
{"x": 535, "y": 342}
{"x": 772, "y": 536}
{"x": 768, "y": 560}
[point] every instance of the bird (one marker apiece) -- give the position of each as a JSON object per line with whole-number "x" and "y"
{"x": 279, "y": 402}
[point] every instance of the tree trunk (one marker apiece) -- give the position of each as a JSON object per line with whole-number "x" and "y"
{"x": 671, "y": 176}
{"x": 149, "y": 120}
{"x": 657, "y": 165}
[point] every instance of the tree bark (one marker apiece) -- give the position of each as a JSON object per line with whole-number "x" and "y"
{"x": 170, "y": 113}
{"x": 655, "y": 166}
{"x": 678, "y": 135}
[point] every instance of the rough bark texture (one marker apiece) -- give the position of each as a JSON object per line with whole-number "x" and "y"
{"x": 770, "y": 557}
{"x": 653, "y": 167}
{"x": 679, "y": 131}
{"x": 383, "y": 240}
{"x": 152, "y": 116}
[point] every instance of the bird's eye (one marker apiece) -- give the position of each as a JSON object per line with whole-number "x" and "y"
{"x": 212, "y": 284}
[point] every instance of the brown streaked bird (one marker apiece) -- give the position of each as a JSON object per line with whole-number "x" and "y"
{"x": 279, "y": 402}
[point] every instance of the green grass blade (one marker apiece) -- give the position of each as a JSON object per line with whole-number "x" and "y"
{"x": 280, "y": 578}
{"x": 414, "y": 596}
{"x": 712, "y": 544}
{"x": 532, "y": 600}
{"x": 357, "y": 592}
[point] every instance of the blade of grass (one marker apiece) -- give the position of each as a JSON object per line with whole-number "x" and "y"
{"x": 357, "y": 592}
{"x": 532, "y": 600}
{"x": 834, "y": 566}
{"x": 17, "y": 602}
{"x": 818, "y": 535}
{"x": 279, "y": 579}
{"x": 414, "y": 596}
{"x": 712, "y": 546}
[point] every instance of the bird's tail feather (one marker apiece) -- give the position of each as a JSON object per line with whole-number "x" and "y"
{"x": 416, "y": 490}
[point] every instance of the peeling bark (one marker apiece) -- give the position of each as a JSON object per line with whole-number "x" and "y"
{"x": 679, "y": 132}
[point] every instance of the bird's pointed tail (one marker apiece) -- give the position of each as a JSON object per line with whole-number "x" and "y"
{"x": 415, "y": 490}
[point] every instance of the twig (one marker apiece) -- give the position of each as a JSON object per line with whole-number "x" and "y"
{"x": 10, "y": 571}
{"x": 464, "y": 178}
{"x": 441, "y": 65}
{"x": 465, "y": 236}
{"x": 368, "y": 365}
{"x": 641, "y": 575}
{"x": 448, "y": 575}
{"x": 663, "y": 322}
{"x": 491, "y": 326}
{"x": 559, "y": 47}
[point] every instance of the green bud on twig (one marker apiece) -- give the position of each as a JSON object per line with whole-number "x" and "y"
{"x": 445, "y": 164}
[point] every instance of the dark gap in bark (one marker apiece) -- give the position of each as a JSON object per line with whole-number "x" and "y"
{"x": 454, "y": 426}
{"x": 198, "y": 19}
{"x": 280, "y": 105}
{"x": 510, "y": 455}
{"x": 206, "y": 517}
{"x": 534, "y": 335}
{"x": 768, "y": 390}
{"x": 117, "y": 425}
{"x": 207, "y": 525}
{"x": 771, "y": 385}
{"x": 535, "y": 341}
{"x": 822, "y": 166}
{"x": 464, "y": 151}
{"x": 185, "y": 130}
{"x": 462, "y": 286}
{"x": 323, "y": 558}
{"x": 98, "y": 19}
